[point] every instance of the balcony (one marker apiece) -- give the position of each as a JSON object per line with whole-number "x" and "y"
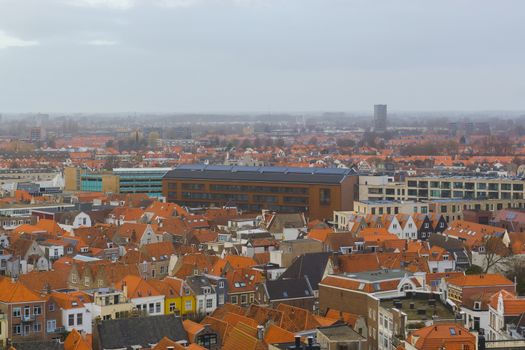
{"x": 28, "y": 318}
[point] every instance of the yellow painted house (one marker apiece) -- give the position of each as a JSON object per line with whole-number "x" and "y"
{"x": 178, "y": 298}
{"x": 3, "y": 330}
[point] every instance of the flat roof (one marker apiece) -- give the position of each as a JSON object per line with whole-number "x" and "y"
{"x": 386, "y": 201}
{"x": 144, "y": 170}
{"x": 464, "y": 177}
{"x": 438, "y": 310}
{"x": 483, "y": 200}
{"x": 260, "y": 174}
{"x": 378, "y": 275}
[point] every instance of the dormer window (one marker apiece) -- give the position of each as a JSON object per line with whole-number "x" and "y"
{"x": 477, "y": 305}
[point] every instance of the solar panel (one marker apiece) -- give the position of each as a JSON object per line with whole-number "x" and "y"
{"x": 245, "y": 168}
{"x": 300, "y": 170}
{"x": 335, "y": 171}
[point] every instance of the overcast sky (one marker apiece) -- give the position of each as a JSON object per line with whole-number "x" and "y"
{"x": 261, "y": 55}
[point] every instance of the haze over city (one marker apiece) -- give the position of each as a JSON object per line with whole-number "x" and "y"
{"x": 262, "y": 175}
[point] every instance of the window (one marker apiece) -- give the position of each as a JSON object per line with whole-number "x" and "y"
{"x": 221, "y": 299}
{"x": 477, "y": 305}
{"x": 201, "y": 304}
{"x": 173, "y": 307}
{"x": 233, "y": 299}
{"x": 151, "y": 308}
{"x": 27, "y": 311}
{"x": 71, "y": 320}
{"x": 17, "y": 329}
{"x": 157, "y": 307}
{"x": 86, "y": 281}
{"x": 324, "y": 196}
{"x": 37, "y": 310}
{"x": 188, "y": 305}
{"x": 16, "y": 312}
{"x": 51, "y": 326}
{"x": 79, "y": 319}
{"x": 37, "y": 327}
{"x": 221, "y": 284}
{"x": 209, "y": 303}
{"x": 244, "y": 299}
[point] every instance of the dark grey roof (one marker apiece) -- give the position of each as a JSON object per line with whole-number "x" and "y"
{"x": 144, "y": 331}
{"x": 260, "y": 174}
{"x": 289, "y": 288}
{"x": 39, "y": 345}
{"x": 448, "y": 243}
{"x": 196, "y": 283}
{"x": 312, "y": 265}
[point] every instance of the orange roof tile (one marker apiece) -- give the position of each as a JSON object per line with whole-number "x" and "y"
{"x": 16, "y": 292}
{"x": 275, "y": 334}
{"x": 75, "y": 341}
{"x": 489, "y": 279}
{"x": 192, "y": 328}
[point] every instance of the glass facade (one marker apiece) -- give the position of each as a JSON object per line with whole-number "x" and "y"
{"x": 91, "y": 183}
{"x": 140, "y": 180}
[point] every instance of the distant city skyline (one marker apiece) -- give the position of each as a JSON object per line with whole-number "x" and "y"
{"x": 261, "y": 56}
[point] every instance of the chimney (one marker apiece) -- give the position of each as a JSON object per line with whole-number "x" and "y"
{"x": 125, "y": 289}
{"x": 297, "y": 342}
{"x": 260, "y": 332}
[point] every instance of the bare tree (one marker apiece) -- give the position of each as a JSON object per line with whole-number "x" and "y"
{"x": 494, "y": 252}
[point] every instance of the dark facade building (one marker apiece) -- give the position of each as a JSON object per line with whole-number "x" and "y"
{"x": 380, "y": 118}
{"x": 315, "y": 191}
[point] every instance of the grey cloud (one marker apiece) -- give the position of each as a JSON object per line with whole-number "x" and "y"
{"x": 267, "y": 55}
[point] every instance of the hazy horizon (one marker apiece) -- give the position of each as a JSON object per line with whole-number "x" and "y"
{"x": 261, "y": 56}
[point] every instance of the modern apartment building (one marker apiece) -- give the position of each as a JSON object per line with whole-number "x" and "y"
{"x": 452, "y": 209}
{"x": 419, "y": 188}
{"x": 120, "y": 180}
{"x": 315, "y": 191}
{"x": 380, "y": 207}
{"x": 464, "y": 187}
{"x": 382, "y": 187}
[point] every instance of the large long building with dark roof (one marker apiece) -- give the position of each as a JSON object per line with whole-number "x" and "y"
{"x": 314, "y": 191}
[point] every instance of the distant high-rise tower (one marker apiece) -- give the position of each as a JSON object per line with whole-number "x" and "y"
{"x": 380, "y": 118}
